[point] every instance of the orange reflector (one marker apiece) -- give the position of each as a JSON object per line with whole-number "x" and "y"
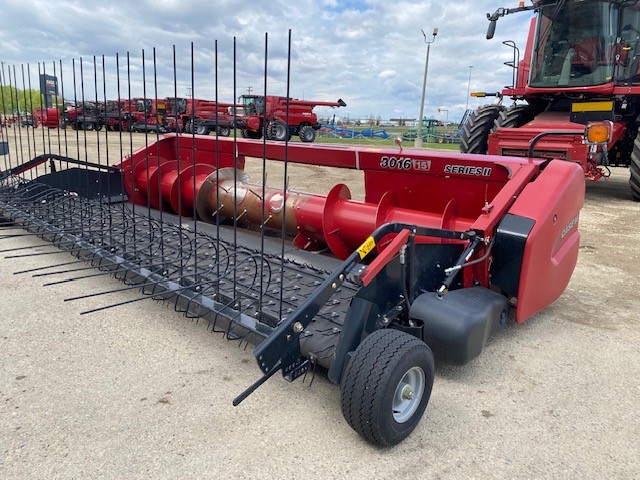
{"x": 598, "y": 132}
{"x": 478, "y": 94}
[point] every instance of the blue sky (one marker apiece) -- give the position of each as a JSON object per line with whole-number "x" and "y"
{"x": 370, "y": 53}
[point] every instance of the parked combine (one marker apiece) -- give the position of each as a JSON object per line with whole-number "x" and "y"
{"x": 278, "y": 118}
{"x": 202, "y": 116}
{"x": 581, "y": 64}
{"x": 122, "y": 114}
{"x": 85, "y": 116}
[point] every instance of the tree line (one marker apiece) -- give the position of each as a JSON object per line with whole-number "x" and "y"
{"x": 14, "y": 100}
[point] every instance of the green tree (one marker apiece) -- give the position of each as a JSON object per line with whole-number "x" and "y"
{"x": 13, "y": 100}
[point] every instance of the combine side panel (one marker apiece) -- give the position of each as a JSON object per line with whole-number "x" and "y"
{"x": 551, "y": 249}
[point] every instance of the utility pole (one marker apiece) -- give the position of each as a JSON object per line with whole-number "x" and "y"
{"x": 418, "y": 141}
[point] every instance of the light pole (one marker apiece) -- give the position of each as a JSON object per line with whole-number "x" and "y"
{"x": 468, "y": 88}
{"x": 418, "y": 141}
{"x": 446, "y": 110}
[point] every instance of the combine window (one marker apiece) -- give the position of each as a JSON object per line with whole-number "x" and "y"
{"x": 628, "y": 47}
{"x": 575, "y": 44}
{"x": 253, "y": 105}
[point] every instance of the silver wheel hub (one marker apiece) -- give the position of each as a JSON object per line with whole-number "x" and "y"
{"x": 408, "y": 394}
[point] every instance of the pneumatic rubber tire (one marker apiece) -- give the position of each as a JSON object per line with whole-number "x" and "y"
{"x": 201, "y": 129}
{"x": 634, "y": 169}
{"x": 279, "y": 131}
{"x": 514, "y": 117}
{"x": 475, "y": 134}
{"x": 307, "y": 133}
{"x": 374, "y": 386}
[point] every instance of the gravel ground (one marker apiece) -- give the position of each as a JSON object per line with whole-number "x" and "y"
{"x": 141, "y": 392}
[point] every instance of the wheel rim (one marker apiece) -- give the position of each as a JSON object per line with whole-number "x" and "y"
{"x": 408, "y": 394}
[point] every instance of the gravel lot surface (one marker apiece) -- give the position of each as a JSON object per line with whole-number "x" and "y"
{"x": 141, "y": 392}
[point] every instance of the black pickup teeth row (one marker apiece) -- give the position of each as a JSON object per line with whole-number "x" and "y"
{"x": 203, "y": 276}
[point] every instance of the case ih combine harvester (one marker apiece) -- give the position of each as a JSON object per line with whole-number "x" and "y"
{"x": 581, "y": 63}
{"x": 431, "y": 263}
{"x": 278, "y": 118}
{"x": 274, "y": 117}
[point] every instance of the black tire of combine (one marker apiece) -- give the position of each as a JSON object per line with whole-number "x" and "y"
{"x": 634, "y": 169}
{"x": 223, "y": 131}
{"x": 254, "y": 135}
{"x": 307, "y": 133}
{"x": 475, "y": 134}
{"x": 279, "y": 131}
{"x": 201, "y": 129}
{"x": 372, "y": 391}
{"x": 514, "y": 117}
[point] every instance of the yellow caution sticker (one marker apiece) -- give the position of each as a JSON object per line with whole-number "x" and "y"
{"x": 592, "y": 106}
{"x": 368, "y": 245}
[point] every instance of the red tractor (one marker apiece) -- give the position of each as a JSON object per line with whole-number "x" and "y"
{"x": 268, "y": 115}
{"x": 581, "y": 64}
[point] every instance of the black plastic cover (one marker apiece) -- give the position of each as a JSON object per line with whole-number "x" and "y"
{"x": 87, "y": 183}
{"x": 508, "y": 251}
{"x": 457, "y": 324}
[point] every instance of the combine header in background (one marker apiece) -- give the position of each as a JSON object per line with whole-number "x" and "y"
{"x": 581, "y": 65}
{"x": 429, "y": 264}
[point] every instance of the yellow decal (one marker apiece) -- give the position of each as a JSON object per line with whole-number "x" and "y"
{"x": 592, "y": 107}
{"x": 368, "y": 245}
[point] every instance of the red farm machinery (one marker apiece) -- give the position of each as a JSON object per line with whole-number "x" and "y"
{"x": 443, "y": 250}
{"x": 278, "y": 118}
{"x": 202, "y": 116}
{"x": 85, "y": 116}
{"x": 122, "y": 114}
{"x": 581, "y": 65}
{"x": 47, "y": 117}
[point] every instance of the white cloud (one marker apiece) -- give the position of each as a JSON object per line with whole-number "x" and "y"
{"x": 370, "y": 53}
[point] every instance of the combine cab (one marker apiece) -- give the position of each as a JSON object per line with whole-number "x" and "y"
{"x": 278, "y": 118}
{"x": 581, "y": 65}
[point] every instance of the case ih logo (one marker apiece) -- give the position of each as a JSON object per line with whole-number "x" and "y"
{"x": 569, "y": 227}
{"x": 48, "y": 85}
{"x": 468, "y": 170}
